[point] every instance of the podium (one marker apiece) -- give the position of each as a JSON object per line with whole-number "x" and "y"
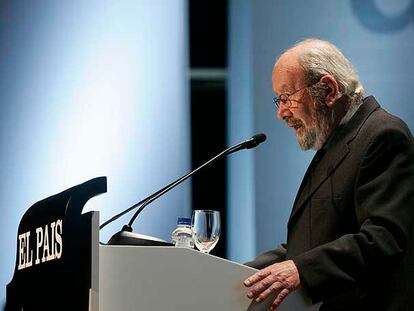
{"x": 155, "y": 278}
{"x": 61, "y": 266}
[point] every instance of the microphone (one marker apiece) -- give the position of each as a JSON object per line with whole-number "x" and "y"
{"x": 255, "y": 141}
{"x": 126, "y": 237}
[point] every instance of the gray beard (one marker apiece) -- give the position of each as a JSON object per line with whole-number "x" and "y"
{"x": 314, "y": 137}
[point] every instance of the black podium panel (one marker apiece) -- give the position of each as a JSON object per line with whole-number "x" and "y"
{"x": 54, "y": 252}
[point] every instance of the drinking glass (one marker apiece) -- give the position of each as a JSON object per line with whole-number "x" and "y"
{"x": 205, "y": 227}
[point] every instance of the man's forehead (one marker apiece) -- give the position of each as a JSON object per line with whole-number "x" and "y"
{"x": 288, "y": 65}
{"x": 286, "y": 76}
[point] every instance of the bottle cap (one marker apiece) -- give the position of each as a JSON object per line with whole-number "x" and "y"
{"x": 184, "y": 221}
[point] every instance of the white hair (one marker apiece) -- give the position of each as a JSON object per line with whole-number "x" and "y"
{"x": 319, "y": 58}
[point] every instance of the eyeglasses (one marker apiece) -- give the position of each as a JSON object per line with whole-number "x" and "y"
{"x": 284, "y": 97}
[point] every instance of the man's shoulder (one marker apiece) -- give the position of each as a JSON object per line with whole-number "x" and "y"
{"x": 382, "y": 121}
{"x": 383, "y": 130}
{"x": 372, "y": 123}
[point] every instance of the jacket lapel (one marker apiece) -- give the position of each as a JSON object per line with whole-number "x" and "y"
{"x": 328, "y": 159}
{"x": 319, "y": 173}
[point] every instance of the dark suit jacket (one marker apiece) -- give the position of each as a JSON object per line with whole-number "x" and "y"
{"x": 350, "y": 232}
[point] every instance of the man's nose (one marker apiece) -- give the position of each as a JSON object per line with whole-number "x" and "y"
{"x": 283, "y": 112}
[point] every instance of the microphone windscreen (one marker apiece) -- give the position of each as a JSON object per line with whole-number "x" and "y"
{"x": 255, "y": 141}
{"x": 259, "y": 138}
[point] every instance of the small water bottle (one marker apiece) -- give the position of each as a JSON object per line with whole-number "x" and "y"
{"x": 181, "y": 236}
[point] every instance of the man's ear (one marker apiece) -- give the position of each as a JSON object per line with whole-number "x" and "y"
{"x": 332, "y": 90}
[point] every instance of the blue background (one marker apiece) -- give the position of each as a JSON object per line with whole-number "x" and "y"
{"x": 92, "y": 88}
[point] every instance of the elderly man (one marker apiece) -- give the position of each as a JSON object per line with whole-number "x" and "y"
{"x": 350, "y": 235}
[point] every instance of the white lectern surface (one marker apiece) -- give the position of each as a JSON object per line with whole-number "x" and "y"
{"x": 170, "y": 278}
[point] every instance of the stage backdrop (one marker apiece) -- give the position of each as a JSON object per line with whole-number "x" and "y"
{"x": 92, "y": 88}
{"x": 376, "y": 35}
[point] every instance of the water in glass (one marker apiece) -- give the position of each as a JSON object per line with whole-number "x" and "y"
{"x": 205, "y": 227}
